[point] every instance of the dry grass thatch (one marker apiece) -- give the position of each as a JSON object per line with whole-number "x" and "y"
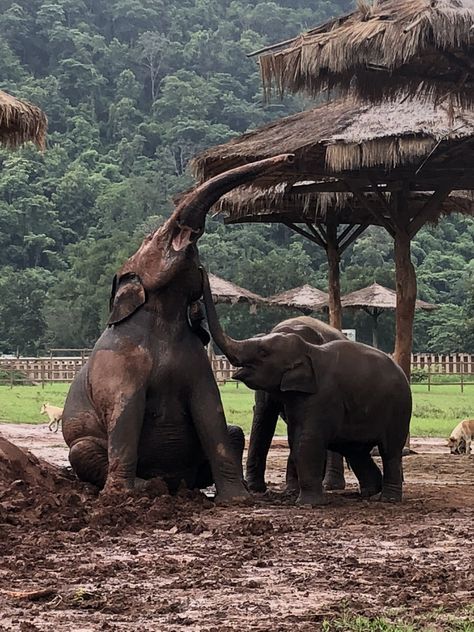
{"x": 227, "y": 292}
{"x": 378, "y": 296}
{"x": 306, "y": 298}
{"x": 384, "y": 49}
{"x": 343, "y": 136}
{"x": 21, "y": 122}
{"x": 276, "y": 205}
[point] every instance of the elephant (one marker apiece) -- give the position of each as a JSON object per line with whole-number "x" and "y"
{"x": 146, "y": 403}
{"x": 268, "y": 406}
{"x": 344, "y": 396}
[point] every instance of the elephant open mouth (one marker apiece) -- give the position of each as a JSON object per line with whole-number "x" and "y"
{"x": 184, "y": 236}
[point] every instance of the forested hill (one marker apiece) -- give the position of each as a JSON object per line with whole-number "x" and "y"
{"x": 132, "y": 89}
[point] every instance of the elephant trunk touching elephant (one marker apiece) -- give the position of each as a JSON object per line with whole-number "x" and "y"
{"x": 146, "y": 403}
{"x": 340, "y": 395}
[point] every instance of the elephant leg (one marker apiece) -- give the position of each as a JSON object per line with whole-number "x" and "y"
{"x": 88, "y": 458}
{"x": 265, "y": 417}
{"x": 204, "y": 476}
{"x": 208, "y": 417}
{"x": 310, "y": 453}
{"x": 392, "y": 475}
{"x": 292, "y": 484}
{"x": 334, "y": 475}
{"x": 367, "y": 473}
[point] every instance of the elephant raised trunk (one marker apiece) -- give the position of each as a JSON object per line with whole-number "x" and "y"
{"x": 191, "y": 211}
{"x": 233, "y": 349}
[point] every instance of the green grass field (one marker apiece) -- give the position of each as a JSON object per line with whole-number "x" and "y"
{"x": 435, "y": 413}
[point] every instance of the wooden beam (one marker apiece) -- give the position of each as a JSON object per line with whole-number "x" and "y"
{"x": 380, "y": 218}
{"x": 431, "y": 206}
{"x": 313, "y": 230}
{"x": 304, "y": 233}
{"x": 357, "y": 232}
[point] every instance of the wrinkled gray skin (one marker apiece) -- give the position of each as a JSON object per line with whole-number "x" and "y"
{"x": 268, "y": 406}
{"x": 342, "y": 395}
{"x": 146, "y": 403}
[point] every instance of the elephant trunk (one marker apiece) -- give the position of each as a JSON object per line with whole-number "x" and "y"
{"x": 233, "y": 349}
{"x": 193, "y": 207}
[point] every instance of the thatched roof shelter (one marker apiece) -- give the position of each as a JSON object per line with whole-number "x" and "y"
{"x": 305, "y": 298}
{"x": 227, "y": 292}
{"x": 389, "y": 142}
{"x": 21, "y": 122}
{"x": 379, "y": 297}
{"x": 374, "y": 300}
{"x": 383, "y": 49}
{"x": 392, "y": 165}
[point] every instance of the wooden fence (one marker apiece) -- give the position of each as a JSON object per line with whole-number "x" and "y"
{"x": 431, "y": 368}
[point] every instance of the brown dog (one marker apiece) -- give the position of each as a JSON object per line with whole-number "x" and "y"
{"x": 461, "y": 437}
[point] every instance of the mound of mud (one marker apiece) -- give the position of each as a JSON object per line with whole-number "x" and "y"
{"x": 37, "y": 494}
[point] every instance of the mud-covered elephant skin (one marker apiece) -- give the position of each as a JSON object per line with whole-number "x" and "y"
{"x": 269, "y": 406}
{"x": 146, "y": 403}
{"x": 342, "y": 395}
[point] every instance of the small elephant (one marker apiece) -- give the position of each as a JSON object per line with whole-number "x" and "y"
{"x": 146, "y": 402}
{"x": 342, "y": 395}
{"x": 268, "y": 406}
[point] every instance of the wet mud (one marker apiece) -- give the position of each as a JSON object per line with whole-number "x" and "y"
{"x": 74, "y": 560}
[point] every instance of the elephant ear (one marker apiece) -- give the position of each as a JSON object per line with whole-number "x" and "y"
{"x": 301, "y": 377}
{"x": 128, "y": 294}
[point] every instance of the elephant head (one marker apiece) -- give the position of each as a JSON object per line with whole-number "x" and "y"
{"x": 273, "y": 362}
{"x": 168, "y": 256}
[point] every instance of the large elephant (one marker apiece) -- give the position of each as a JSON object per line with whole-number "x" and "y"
{"x": 269, "y": 406}
{"x": 146, "y": 403}
{"x": 341, "y": 395}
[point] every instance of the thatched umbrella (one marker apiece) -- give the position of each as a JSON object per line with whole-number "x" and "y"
{"x": 227, "y": 292}
{"x": 374, "y": 300}
{"x": 21, "y": 122}
{"x": 305, "y": 298}
{"x": 392, "y": 165}
{"x": 383, "y": 49}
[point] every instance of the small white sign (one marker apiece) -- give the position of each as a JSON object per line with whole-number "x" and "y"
{"x": 350, "y": 334}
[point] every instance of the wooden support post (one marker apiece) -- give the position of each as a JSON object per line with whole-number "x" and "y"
{"x": 334, "y": 285}
{"x": 406, "y": 298}
{"x": 375, "y": 323}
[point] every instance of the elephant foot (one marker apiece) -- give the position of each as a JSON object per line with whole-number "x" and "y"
{"x": 312, "y": 499}
{"x": 391, "y": 495}
{"x": 369, "y": 492}
{"x": 333, "y": 483}
{"x": 256, "y": 486}
{"x": 233, "y": 495}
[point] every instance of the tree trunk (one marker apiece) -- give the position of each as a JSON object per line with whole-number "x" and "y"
{"x": 335, "y": 309}
{"x": 406, "y": 299}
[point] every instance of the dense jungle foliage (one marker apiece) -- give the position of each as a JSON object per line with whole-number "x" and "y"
{"x": 132, "y": 89}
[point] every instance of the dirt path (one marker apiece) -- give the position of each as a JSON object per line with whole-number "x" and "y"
{"x": 173, "y": 564}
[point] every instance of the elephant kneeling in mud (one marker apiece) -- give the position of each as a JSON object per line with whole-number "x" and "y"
{"x": 342, "y": 395}
{"x": 146, "y": 403}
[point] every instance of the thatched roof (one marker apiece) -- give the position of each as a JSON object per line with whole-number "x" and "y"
{"x": 346, "y": 136}
{"x": 306, "y": 298}
{"x": 21, "y": 122}
{"x": 383, "y": 49}
{"x": 345, "y": 146}
{"x": 227, "y": 292}
{"x": 274, "y": 204}
{"x": 378, "y": 296}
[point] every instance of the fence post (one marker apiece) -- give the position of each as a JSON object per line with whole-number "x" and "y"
{"x": 42, "y": 375}
{"x": 11, "y": 377}
{"x": 462, "y": 376}
{"x": 429, "y": 377}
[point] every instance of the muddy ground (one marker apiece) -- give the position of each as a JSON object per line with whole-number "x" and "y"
{"x": 152, "y": 562}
